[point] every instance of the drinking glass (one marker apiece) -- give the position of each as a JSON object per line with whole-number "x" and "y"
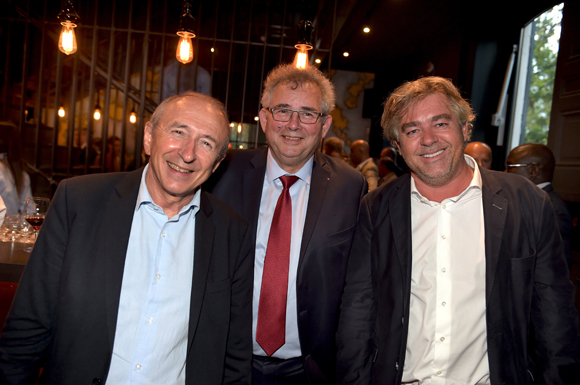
{"x": 34, "y": 211}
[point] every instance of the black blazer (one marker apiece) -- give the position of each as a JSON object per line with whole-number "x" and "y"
{"x": 335, "y": 193}
{"x": 526, "y": 284}
{"x": 564, "y": 220}
{"x": 65, "y": 310}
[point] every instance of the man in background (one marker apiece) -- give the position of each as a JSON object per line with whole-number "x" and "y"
{"x": 334, "y": 146}
{"x": 536, "y": 162}
{"x": 361, "y": 159}
{"x": 388, "y": 166}
{"x": 481, "y": 152}
{"x": 139, "y": 277}
{"x": 301, "y": 249}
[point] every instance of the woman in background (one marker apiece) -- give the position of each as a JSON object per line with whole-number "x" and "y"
{"x": 14, "y": 181}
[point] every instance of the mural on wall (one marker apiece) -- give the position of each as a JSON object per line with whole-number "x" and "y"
{"x": 348, "y": 123}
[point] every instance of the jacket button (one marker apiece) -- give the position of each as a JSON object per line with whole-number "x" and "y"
{"x": 96, "y": 381}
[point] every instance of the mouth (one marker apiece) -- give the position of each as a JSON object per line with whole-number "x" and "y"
{"x": 434, "y": 154}
{"x": 292, "y": 138}
{"x": 178, "y": 169}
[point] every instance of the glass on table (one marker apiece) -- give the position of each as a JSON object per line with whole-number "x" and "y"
{"x": 34, "y": 212}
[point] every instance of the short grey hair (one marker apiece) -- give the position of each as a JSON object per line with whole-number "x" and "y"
{"x": 287, "y": 73}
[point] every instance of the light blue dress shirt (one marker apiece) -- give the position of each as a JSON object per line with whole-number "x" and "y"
{"x": 299, "y": 192}
{"x": 152, "y": 325}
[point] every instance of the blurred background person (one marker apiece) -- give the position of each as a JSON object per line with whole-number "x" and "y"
{"x": 14, "y": 181}
{"x": 362, "y": 161}
{"x": 481, "y": 152}
{"x": 536, "y": 162}
{"x": 334, "y": 146}
{"x": 388, "y": 165}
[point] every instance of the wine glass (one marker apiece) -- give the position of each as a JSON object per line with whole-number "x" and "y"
{"x": 34, "y": 211}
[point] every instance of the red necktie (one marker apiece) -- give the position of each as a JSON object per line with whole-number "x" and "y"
{"x": 271, "y": 329}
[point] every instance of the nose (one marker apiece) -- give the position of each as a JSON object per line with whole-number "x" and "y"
{"x": 187, "y": 151}
{"x": 428, "y": 137}
{"x": 294, "y": 122}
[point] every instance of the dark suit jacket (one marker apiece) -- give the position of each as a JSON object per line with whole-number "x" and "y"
{"x": 564, "y": 220}
{"x": 333, "y": 205}
{"x": 65, "y": 310}
{"x": 526, "y": 283}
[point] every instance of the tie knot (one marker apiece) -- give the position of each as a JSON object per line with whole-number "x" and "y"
{"x": 288, "y": 181}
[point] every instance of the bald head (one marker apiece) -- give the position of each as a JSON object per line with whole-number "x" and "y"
{"x": 534, "y": 161}
{"x": 481, "y": 152}
{"x": 359, "y": 152}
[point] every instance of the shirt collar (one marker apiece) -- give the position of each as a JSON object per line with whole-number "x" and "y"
{"x": 474, "y": 184}
{"x": 274, "y": 171}
{"x": 362, "y": 164}
{"x": 144, "y": 198}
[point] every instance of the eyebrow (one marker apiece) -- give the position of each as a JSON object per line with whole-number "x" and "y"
{"x": 433, "y": 119}
{"x": 303, "y": 108}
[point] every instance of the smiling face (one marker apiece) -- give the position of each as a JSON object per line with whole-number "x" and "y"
{"x": 292, "y": 143}
{"x": 431, "y": 141}
{"x": 184, "y": 149}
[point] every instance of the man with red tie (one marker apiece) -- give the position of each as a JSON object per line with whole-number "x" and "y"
{"x": 302, "y": 206}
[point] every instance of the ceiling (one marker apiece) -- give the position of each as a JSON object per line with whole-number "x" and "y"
{"x": 401, "y": 29}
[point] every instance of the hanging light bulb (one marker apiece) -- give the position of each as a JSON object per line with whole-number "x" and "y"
{"x": 67, "y": 41}
{"x": 97, "y": 113}
{"x": 133, "y": 117}
{"x": 304, "y": 44}
{"x": 184, "y": 51}
{"x": 61, "y": 112}
{"x": 239, "y": 128}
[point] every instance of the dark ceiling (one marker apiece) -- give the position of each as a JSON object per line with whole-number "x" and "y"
{"x": 402, "y": 29}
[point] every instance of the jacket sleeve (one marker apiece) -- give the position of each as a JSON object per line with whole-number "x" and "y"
{"x": 238, "y": 361}
{"x": 357, "y": 308}
{"x": 553, "y": 314}
{"x": 28, "y": 329}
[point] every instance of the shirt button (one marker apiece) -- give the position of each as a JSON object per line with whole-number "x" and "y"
{"x": 443, "y": 207}
{"x": 442, "y": 339}
{"x": 158, "y": 277}
{"x": 150, "y": 320}
{"x": 443, "y": 303}
{"x": 138, "y": 367}
{"x": 443, "y": 269}
{"x": 163, "y": 235}
{"x": 443, "y": 237}
{"x": 439, "y": 373}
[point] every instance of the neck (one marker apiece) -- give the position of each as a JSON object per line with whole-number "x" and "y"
{"x": 452, "y": 188}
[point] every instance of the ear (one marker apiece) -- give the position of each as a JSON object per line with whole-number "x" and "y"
{"x": 263, "y": 119}
{"x": 465, "y": 131}
{"x": 398, "y": 148}
{"x": 326, "y": 125}
{"x": 217, "y": 163}
{"x": 534, "y": 171}
{"x": 148, "y": 138}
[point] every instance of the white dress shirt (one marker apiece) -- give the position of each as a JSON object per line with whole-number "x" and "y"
{"x": 447, "y": 339}
{"x": 299, "y": 193}
{"x": 153, "y": 321}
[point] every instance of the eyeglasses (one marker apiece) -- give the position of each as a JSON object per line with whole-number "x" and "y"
{"x": 508, "y": 166}
{"x": 282, "y": 114}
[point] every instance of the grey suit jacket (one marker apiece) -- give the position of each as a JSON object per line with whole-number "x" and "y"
{"x": 335, "y": 193}
{"x": 528, "y": 293}
{"x": 65, "y": 310}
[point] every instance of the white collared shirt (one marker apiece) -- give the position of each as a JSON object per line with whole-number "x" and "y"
{"x": 299, "y": 193}
{"x": 447, "y": 339}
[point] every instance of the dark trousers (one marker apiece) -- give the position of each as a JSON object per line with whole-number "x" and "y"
{"x": 274, "y": 371}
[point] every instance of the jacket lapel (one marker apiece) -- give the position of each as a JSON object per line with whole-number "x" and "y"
{"x": 319, "y": 184}
{"x": 400, "y": 216}
{"x": 204, "y": 239}
{"x": 252, "y": 183}
{"x": 495, "y": 209}
{"x": 116, "y": 228}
